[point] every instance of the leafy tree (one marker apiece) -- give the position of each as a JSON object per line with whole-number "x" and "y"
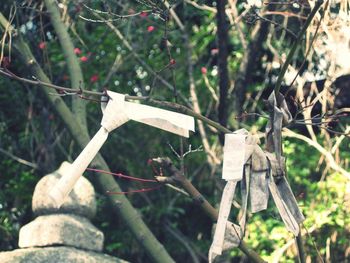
{"x": 217, "y": 61}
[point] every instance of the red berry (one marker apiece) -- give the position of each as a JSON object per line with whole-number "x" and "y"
{"x": 143, "y": 14}
{"x": 204, "y": 70}
{"x": 94, "y": 78}
{"x": 214, "y": 51}
{"x": 77, "y": 51}
{"x": 84, "y": 59}
{"x": 172, "y": 61}
{"x": 150, "y": 28}
{"x": 42, "y": 45}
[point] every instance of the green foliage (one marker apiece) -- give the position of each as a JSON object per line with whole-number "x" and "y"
{"x": 30, "y": 130}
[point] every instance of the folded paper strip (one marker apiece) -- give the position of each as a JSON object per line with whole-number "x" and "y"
{"x": 115, "y": 113}
{"x": 232, "y": 172}
{"x": 261, "y": 172}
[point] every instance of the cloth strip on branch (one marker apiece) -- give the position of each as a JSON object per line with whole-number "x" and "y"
{"x": 261, "y": 173}
{"x": 115, "y": 113}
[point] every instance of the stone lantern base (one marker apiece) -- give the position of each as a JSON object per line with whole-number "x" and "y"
{"x": 61, "y": 254}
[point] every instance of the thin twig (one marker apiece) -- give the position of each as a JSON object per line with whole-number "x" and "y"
{"x": 18, "y": 159}
{"x": 177, "y": 177}
{"x": 295, "y": 45}
{"x": 171, "y": 105}
{"x": 309, "y": 48}
{"x": 333, "y": 164}
{"x": 142, "y": 62}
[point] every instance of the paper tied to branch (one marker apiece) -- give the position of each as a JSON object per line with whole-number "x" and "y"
{"x": 277, "y": 182}
{"x": 170, "y": 121}
{"x": 283, "y": 197}
{"x": 234, "y": 156}
{"x": 263, "y": 172}
{"x": 279, "y": 115}
{"x": 232, "y": 239}
{"x": 232, "y": 172}
{"x": 115, "y": 113}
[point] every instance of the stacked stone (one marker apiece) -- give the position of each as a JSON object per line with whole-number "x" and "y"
{"x": 62, "y": 234}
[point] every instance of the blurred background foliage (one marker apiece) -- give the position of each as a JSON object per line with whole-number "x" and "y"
{"x": 34, "y": 141}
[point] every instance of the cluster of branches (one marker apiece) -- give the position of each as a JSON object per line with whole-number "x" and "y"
{"x": 226, "y": 104}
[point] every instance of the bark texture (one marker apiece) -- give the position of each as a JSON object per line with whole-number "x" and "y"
{"x": 222, "y": 38}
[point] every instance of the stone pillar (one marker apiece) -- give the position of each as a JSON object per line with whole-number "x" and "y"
{"x": 61, "y": 235}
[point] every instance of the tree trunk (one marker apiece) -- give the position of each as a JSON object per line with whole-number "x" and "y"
{"x": 222, "y": 25}
{"x": 119, "y": 203}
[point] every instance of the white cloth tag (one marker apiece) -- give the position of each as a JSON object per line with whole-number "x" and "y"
{"x": 116, "y": 113}
{"x": 234, "y": 153}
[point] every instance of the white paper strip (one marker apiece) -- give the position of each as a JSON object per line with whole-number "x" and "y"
{"x": 245, "y": 187}
{"x": 232, "y": 172}
{"x": 234, "y": 153}
{"x": 170, "y": 121}
{"x": 287, "y": 216}
{"x": 232, "y": 239}
{"x": 224, "y": 212}
{"x": 259, "y": 194}
{"x": 163, "y": 119}
{"x": 116, "y": 113}
{"x": 68, "y": 180}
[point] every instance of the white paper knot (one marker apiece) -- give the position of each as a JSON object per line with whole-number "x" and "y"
{"x": 232, "y": 172}
{"x": 116, "y": 113}
{"x": 245, "y": 161}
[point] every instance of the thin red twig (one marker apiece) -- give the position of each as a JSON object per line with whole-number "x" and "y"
{"x": 135, "y": 191}
{"x": 123, "y": 176}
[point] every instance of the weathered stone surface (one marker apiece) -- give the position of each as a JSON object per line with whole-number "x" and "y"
{"x": 61, "y": 229}
{"x": 56, "y": 254}
{"x": 80, "y": 201}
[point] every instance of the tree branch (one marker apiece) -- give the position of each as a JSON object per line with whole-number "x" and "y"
{"x": 222, "y": 40}
{"x": 74, "y": 69}
{"x": 332, "y": 163}
{"x": 250, "y": 60}
{"x": 177, "y": 177}
{"x": 295, "y": 45}
{"x": 119, "y": 203}
{"x": 170, "y": 105}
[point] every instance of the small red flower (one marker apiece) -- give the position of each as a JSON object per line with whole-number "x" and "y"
{"x": 204, "y": 70}
{"x": 150, "y": 28}
{"x": 42, "y": 45}
{"x": 84, "y": 59}
{"x": 214, "y": 51}
{"x": 94, "y": 78}
{"x": 172, "y": 61}
{"x": 143, "y": 14}
{"x": 77, "y": 51}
